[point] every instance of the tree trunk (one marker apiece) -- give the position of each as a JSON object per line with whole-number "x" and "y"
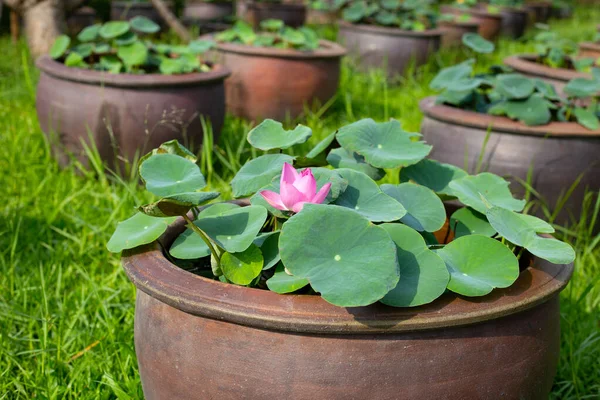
{"x": 43, "y": 21}
{"x": 171, "y": 20}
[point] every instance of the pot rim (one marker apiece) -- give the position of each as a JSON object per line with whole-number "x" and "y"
{"x": 461, "y": 24}
{"x": 387, "y": 31}
{"x": 86, "y": 76}
{"x": 473, "y": 11}
{"x": 327, "y": 49}
{"x": 524, "y": 63}
{"x": 589, "y": 46}
{"x": 153, "y": 274}
{"x": 456, "y": 116}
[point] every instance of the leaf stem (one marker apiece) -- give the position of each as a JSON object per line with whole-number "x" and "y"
{"x": 205, "y": 238}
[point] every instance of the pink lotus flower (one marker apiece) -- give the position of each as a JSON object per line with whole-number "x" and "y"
{"x": 296, "y": 189}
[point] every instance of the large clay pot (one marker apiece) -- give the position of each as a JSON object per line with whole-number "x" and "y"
{"x": 390, "y": 48}
{"x": 292, "y": 14}
{"x": 589, "y": 49}
{"x": 514, "y": 21}
{"x": 489, "y": 23}
{"x": 541, "y": 10}
{"x": 558, "y": 153}
{"x": 525, "y": 64}
{"x": 207, "y": 10}
{"x": 125, "y": 10}
{"x": 453, "y": 32}
{"x": 125, "y": 114}
{"x": 81, "y": 18}
{"x": 278, "y": 83}
{"x": 198, "y": 338}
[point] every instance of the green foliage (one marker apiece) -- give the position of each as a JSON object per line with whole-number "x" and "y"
{"x": 273, "y": 33}
{"x": 410, "y": 15}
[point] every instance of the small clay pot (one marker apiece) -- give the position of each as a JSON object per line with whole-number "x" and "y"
{"x": 589, "y": 49}
{"x": 540, "y": 10}
{"x": 390, "y": 48}
{"x": 514, "y": 21}
{"x": 559, "y": 152}
{"x": 489, "y": 23}
{"x": 125, "y": 10}
{"x": 207, "y": 10}
{"x": 278, "y": 83}
{"x": 292, "y": 14}
{"x": 198, "y": 338}
{"x": 453, "y": 32}
{"x": 79, "y": 19}
{"x": 125, "y": 114}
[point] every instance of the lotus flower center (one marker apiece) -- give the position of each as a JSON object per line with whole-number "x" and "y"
{"x": 337, "y": 257}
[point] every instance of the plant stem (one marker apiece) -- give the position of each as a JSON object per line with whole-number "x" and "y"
{"x": 205, "y": 238}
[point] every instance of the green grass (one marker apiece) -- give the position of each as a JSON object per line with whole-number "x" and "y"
{"x": 66, "y": 307}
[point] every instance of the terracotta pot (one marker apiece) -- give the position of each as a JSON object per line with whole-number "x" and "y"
{"x": 125, "y": 114}
{"x": 525, "y": 64}
{"x": 541, "y": 10}
{"x": 453, "y": 32}
{"x": 589, "y": 49}
{"x": 81, "y": 18}
{"x": 489, "y": 24}
{"x": 514, "y": 21}
{"x": 292, "y": 14}
{"x": 563, "y": 12}
{"x": 277, "y": 83}
{"x": 390, "y": 48}
{"x": 207, "y": 10}
{"x": 198, "y": 338}
{"x": 559, "y": 152}
{"x": 125, "y": 10}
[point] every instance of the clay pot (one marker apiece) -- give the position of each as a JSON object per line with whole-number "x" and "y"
{"x": 321, "y": 17}
{"x": 453, "y": 32}
{"x": 125, "y": 114}
{"x": 207, "y": 10}
{"x": 540, "y": 10}
{"x": 81, "y": 18}
{"x": 559, "y": 152}
{"x": 514, "y": 21}
{"x": 390, "y": 48}
{"x": 563, "y": 12}
{"x": 292, "y": 14}
{"x": 525, "y": 64}
{"x": 278, "y": 83}
{"x": 207, "y": 27}
{"x": 489, "y": 24}
{"x": 589, "y": 49}
{"x": 200, "y": 338}
{"x": 125, "y": 10}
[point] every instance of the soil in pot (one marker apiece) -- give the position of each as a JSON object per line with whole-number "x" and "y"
{"x": 279, "y": 83}
{"x": 125, "y": 10}
{"x": 390, "y": 48}
{"x": 559, "y": 152}
{"x": 125, "y": 114}
{"x": 292, "y": 14}
{"x": 453, "y": 31}
{"x": 205, "y": 11}
{"x": 196, "y": 335}
{"x": 489, "y": 23}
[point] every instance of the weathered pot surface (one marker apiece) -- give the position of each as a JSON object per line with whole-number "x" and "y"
{"x": 489, "y": 23}
{"x": 207, "y": 10}
{"x": 453, "y": 31}
{"x": 514, "y": 21}
{"x": 200, "y": 338}
{"x": 292, "y": 14}
{"x": 125, "y": 10}
{"x": 559, "y": 152}
{"x": 390, "y": 48}
{"x": 125, "y": 114}
{"x": 541, "y": 10}
{"x": 279, "y": 83}
{"x": 589, "y": 49}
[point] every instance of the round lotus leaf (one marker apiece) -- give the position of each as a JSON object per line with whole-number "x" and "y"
{"x": 293, "y": 36}
{"x": 258, "y": 173}
{"x": 432, "y": 174}
{"x": 89, "y": 33}
{"x": 144, "y": 25}
{"x": 465, "y": 84}
{"x": 126, "y": 39}
{"x": 242, "y": 268}
{"x": 533, "y": 111}
{"x": 383, "y": 145}
{"x": 171, "y": 147}
{"x": 136, "y": 231}
{"x": 424, "y": 209}
{"x": 581, "y": 87}
{"x": 273, "y": 25}
{"x": 321, "y": 146}
{"x": 477, "y": 43}
{"x": 467, "y": 221}
{"x": 269, "y": 246}
{"x": 478, "y": 264}
{"x": 83, "y": 49}
{"x": 355, "y": 12}
{"x": 365, "y": 197}
{"x": 346, "y": 258}
{"x": 270, "y": 134}
{"x": 133, "y": 54}
{"x": 587, "y": 118}
{"x": 168, "y": 174}
{"x": 281, "y": 282}
{"x": 60, "y": 46}
{"x": 449, "y": 75}
{"x": 178, "y": 204}
{"x": 423, "y": 274}
{"x": 341, "y": 158}
{"x": 112, "y": 29}
{"x": 514, "y": 86}
{"x": 494, "y": 189}
{"x": 201, "y": 46}
{"x": 75, "y": 60}
{"x": 546, "y": 89}
{"x": 111, "y": 64}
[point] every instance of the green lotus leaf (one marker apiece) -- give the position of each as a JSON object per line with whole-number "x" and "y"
{"x": 83, "y": 49}
{"x": 448, "y": 75}
{"x": 269, "y": 135}
{"x": 269, "y": 246}
{"x": 281, "y": 282}
{"x": 113, "y": 29}
{"x": 477, "y": 43}
{"x": 257, "y": 173}
{"x": 168, "y": 174}
{"x": 581, "y": 87}
{"x": 144, "y": 25}
{"x": 293, "y": 36}
{"x": 466, "y": 221}
{"x": 514, "y": 86}
{"x": 126, "y": 39}
{"x": 546, "y": 89}
{"x": 533, "y": 111}
{"x": 355, "y": 12}
{"x": 478, "y": 264}
{"x": 171, "y": 147}
{"x": 60, "y": 46}
{"x": 433, "y": 174}
{"x": 111, "y": 64}
{"x": 273, "y": 25}
{"x": 341, "y": 158}
{"x": 423, "y": 274}
{"x": 424, "y": 209}
{"x": 136, "y": 231}
{"x": 89, "y": 33}
{"x": 346, "y": 258}
{"x": 134, "y": 54}
{"x": 243, "y": 267}
{"x": 366, "y": 198}
{"x": 201, "y": 46}
{"x": 472, "y": 190}
{"x": 383, "y": 145}
{"x": 587, "y": 118}
{"x": 102, "y": 48}
{"x": 178, "y": 204}
{"x": 244, "y": 32}
{"x": 75, "y": 60}
{"x": 465, "y": 84}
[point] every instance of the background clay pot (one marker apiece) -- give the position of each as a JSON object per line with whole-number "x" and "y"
{"x": 200, "y": 338}
{"x": 559, "y": 152}
{"x": 453, "y": 32}
{"x": 207, "y": 10}
{"x": 489, "y": 24}
{"x": 321, "y": 17}
{"x": 277, "y": 83}
{"x": 81, "y": 18}
{"x": 525, "y": 64}
{"x": 562, "y": 12}
{"x": 142, "y": 111}
{"x": 589, "y": 49}
{"x": 514, "y": 21}
{"x": 541, "y": 10}
{"x": 379, "y": 47}
{"x": 291, "y": 14}
{"x": 125, "y": 10}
